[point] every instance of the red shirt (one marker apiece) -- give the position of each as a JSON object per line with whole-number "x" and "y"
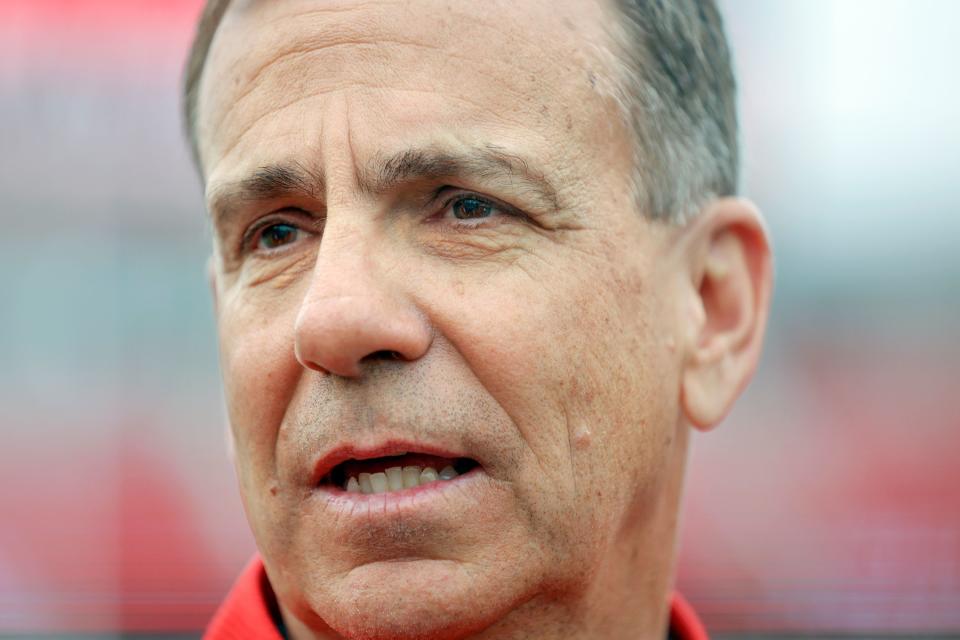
{"x": 250, "y": 611}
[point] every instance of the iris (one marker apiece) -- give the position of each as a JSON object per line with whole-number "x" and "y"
{"x": 467, "y": 208}
{"x": 277, "y": 235}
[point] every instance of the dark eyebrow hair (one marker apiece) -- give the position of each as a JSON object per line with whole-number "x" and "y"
{"x": 266, "y": 183}
{"x": 487, "y": 162}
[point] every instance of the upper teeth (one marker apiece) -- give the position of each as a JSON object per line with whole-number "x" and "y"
{"x": 397, "y": 478}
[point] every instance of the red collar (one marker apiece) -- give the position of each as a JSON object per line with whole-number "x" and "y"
{"x": 250, "y": 609}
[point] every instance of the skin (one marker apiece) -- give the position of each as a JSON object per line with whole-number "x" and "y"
{"x": 563, "y": 340}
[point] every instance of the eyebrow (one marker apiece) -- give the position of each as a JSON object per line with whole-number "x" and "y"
{"x": 269, "y": 182}
{"x": 383, "y": 174}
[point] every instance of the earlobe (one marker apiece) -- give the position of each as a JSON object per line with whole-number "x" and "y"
{"x": 729, "y": 262}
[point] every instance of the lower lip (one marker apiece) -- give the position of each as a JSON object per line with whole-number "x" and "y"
{"x": 392, "y": 503}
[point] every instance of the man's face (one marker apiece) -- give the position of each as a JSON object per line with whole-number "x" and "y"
{"x": 425, "y": 243}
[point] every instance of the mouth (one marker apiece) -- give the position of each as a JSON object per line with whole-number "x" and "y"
{"x": 395, "y": 471}
{"x": 375, "y": 485}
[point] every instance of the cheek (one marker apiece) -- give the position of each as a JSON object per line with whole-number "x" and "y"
{"x": 582, "y": 368}
{"x": 260, "y": 372}
{"x": 508, "y": 347}
{"x": 626, "y": 398}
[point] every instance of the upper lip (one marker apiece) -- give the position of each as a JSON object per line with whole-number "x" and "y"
{"x": 392, "y": 447}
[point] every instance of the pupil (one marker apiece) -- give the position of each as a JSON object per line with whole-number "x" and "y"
{"x": 471, "y": 208}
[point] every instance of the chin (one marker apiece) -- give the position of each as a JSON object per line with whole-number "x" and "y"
{"x": 412, "y": 599}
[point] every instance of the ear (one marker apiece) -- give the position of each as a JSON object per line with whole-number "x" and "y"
{"x": 728, "y": 259}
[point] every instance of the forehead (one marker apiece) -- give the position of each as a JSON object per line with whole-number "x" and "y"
{"x": 532, "y": 73}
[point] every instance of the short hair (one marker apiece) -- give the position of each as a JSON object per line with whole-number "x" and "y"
{"x": 673, "y": 82}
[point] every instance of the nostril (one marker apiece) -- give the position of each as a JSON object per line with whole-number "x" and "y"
{"x": 383, "y": 355}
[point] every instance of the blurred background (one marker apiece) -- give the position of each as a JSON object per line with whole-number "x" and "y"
{"x": 829, "y": 501}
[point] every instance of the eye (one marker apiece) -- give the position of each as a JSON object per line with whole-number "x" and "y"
{"x": 276, "y": 235}
{"x": 469, "y": 208}
{"x": 473, "y": 209}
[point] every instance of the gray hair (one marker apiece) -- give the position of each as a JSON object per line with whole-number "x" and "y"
{"x": 676, "y": 88}
{"x": 673, "y": 81}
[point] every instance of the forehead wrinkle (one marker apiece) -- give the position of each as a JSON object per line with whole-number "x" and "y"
{"x": 321, "y": 42}
{"x": 261, "y": 86}
{"x": 311, "y": 47}
{"x": 274, "y": 108}
{"x": 480, "y": 107}
{"x": 258, "y": 36}
{"x": 235, "y": 143}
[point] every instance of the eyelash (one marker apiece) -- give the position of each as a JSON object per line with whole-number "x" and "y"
{"x": 251, "y": 237}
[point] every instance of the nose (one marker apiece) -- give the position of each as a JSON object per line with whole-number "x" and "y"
{"x": 354, "y": 312}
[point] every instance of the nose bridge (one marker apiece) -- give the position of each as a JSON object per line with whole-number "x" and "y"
{"x": 354, "y": 309}
{"x": 345, "y": 255}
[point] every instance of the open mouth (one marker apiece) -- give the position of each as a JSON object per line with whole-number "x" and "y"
{"x": 397, "y": 472}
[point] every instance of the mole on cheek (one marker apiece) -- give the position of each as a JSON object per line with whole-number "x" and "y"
{"x": 582, "y": 436}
